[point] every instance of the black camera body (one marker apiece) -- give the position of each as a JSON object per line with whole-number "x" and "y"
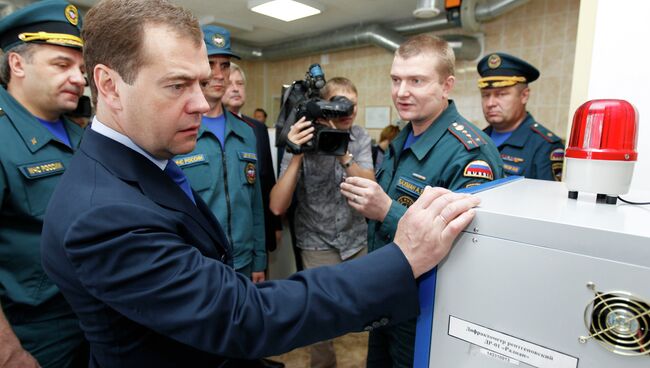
{"x": 302, "y": 99}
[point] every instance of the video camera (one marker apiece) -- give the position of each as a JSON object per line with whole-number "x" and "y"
{"x": 302, "y": 99}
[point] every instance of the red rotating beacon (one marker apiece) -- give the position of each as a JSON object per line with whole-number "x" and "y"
{"x": 601, "y": 152}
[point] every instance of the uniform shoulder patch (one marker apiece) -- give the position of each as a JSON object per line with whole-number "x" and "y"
{"x": 478, "y": 169}
{"x": 545, "y": 133}
{"x": 557, "y": 155}
{"x": 466, "y": 135}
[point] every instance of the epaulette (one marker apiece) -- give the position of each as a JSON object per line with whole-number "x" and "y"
{"x": 466, "y": 135}
{"x": 545, "y": 133}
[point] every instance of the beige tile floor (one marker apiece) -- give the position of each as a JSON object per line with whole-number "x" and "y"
{"x": 350, "y": 353}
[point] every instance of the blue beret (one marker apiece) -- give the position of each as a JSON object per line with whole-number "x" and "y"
{"x": 50, "y": 22}
{"x": 503, "y": 70}
{"x": 217, "y": 40}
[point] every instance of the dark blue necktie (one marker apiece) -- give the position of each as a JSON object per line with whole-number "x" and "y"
{"x": 179, "y": 178}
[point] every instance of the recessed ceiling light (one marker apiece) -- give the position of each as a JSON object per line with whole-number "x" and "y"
{"x": 286, "y": 10}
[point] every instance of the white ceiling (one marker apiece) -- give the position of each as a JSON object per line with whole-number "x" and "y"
{"x": 258, "y": 30}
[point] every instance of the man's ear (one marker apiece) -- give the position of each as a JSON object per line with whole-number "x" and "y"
{"x": 447, "y": 86}
{"x": 107, "y": 82}
{"x": 16, "y": 65}
{"x": 524, "y": 95}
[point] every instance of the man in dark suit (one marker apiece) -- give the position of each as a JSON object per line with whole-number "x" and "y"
{"x": 140, "y": 257}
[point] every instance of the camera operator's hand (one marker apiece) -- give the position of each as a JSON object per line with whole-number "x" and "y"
{"x": 367, "y": 197}
{"x": 429, "y": 227}
{"x": 301, "y": 132}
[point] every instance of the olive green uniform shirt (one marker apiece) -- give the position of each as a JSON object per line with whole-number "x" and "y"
{"x": 452, "y": 153}
{"x": 31, "y": 163}
{"x": 227, "y": 180}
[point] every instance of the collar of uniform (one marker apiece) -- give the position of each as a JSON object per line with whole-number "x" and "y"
{"x": 520, "y": 135}
{"x": 237, "y": 129}
{"x": 75, "y": 132}
{"x": 33, "y": 133}
{"x": 431, "y": 136}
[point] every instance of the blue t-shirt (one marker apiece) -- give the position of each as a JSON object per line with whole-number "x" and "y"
{"x": 499, "y": 138}
{"x": 217, "y": 126}
{"x": 58, "y": 129}
{"x": 410, "y": 140}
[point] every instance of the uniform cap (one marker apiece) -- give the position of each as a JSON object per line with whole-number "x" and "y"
{"x": 53, "y": 22}
{"x": 217, "y": 41}
{"x": 503, "y": 70}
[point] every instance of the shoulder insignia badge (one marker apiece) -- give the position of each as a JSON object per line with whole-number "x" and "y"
{"x": 478, "y": 169}
{"x": 251, "y": 173}
{"x": 557, "y": 155}
{"x": 466, "y": 135}
{"x": 544, "y": 133}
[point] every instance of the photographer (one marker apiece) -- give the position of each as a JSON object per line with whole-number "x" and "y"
{"x": 328, "y": 230}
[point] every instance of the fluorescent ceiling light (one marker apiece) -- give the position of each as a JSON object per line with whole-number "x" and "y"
{"x": 286, "y": 10}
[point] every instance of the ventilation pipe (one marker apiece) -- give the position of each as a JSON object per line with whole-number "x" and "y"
{"x": 391, "y": 35}
{"x": 426, "y": 9}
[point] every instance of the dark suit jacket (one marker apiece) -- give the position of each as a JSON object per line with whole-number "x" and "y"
{"x": 267, "y": 179}
{"x": 145, "y": 270}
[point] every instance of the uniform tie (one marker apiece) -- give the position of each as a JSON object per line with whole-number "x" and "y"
{"x": 179, "y": 178}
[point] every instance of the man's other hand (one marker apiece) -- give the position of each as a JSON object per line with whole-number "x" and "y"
{"x": 367, "y": 197}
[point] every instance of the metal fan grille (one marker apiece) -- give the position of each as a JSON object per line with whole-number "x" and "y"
{"x": 620, "y": 322}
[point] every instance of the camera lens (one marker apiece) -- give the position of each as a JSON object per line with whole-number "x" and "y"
{"x": 332, "y": 142}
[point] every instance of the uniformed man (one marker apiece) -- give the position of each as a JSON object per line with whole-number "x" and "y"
{"x": 438, "y": 147}
{"x": 223, "y": 168}
{"x": 42, "y": 76}
{"x": 234, "y": 99}
{"x": 527, "y": 147}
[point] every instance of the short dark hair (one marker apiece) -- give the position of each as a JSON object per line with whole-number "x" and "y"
{"x": 113, "y": 34}
{"x": 262, "y": 111}
{"x": 26, "y": 50}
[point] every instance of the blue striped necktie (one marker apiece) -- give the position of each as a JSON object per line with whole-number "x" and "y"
{"x": 179, "y": 178}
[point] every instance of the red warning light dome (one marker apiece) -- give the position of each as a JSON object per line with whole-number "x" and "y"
{"x": 604, "y": 130}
